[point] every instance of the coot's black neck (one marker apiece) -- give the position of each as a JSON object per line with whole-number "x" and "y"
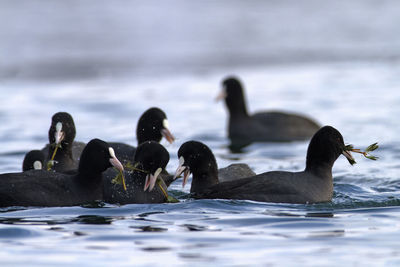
{"x": 201, "y": 182}
{"x": 321, "y": 155}
{"x": 236, "y": 103}
{"x": 323, "y": 169}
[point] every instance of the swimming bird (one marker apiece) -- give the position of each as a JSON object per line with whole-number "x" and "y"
{"x": 44, "y": 188}
{"x": 229, "y": 173}
{"x": 312, "y": 185}
{"x": 33, "y": 160}
{"x": 62, "y": 153}
{"x": 273, "y": 126}
{"x": 141, "y": 178}
{"x": 152, "y": 126}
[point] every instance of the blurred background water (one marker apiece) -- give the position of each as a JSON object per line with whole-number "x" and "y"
{"x": 106, "y": 62}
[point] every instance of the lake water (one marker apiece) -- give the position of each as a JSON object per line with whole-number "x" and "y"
{"x": 107, "y": 62}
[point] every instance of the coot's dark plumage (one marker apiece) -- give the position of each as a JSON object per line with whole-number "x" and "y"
{"x": 150, "y": 159}
{"x": 312, "y": 185}
{"x": 244, "y": 129}
{"x": 62, "y": 134}
{"x": 152, "y": 126}
{"x": 44, "y": 188}
{"x": 34, "y": 160}
{"x": 234, "y": 171}
{"x": 200, "y": 157}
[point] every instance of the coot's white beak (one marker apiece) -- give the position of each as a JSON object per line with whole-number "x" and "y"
{"x": 221, "y": 95}
{"x": 59, "y": 134}
{"x": 117, "y": 164}
{"x": 166, "y": 132}
{"x": 182, "y": 169}
{"x": 114, "y": 161}
{"x": 37, "y": 165}
{"x": 151, "y": 180}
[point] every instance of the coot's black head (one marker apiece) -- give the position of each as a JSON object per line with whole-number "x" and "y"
{"x": 34, "y": 160}
{"x": 195, "y": 157}
{"x": 151, "y": 157}
{"x": 96, "y": 157}
{"x": 234, "y": 96}
{"x": 152, "y": 126}
{"x": 325, "y": 147}
{"x": 62, "y": 129}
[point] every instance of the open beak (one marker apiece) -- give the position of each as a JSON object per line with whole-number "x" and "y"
{"x": 166, "y": 133}
{"x": 151, "y": 180}
{"x": 186, "y": 174}
{"x": 117, "y": 164}
{"x": 349, "y": 157}
{"x": 182, "y": 169}
{"x": 59, "y": 134}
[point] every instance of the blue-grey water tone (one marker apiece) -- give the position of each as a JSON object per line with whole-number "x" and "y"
{"x": 106, "y": 62}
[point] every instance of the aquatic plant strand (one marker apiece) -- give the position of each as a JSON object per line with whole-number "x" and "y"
{"x": 370, "y": 148}
{"x": 131, "y": 167}
{"x": 50, "y": 163}
{"x": 119, "y": 179}
{"x": 162, "y": 189}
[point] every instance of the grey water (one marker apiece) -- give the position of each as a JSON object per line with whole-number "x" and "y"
{"x": 105, "y": 62}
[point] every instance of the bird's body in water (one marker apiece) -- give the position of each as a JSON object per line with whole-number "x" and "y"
{"x": 314, "y": 184}
{"x": 142, "y": 180}
{"x": 272, "y": 126}
{"x": 45, "y": 188}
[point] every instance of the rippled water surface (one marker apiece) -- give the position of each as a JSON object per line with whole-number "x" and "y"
{"x": 360, "y": 226}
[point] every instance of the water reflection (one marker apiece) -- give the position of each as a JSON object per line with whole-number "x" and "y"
{"x": 94, "y": 219}
{"x": 196, "y": 257}
{"x": 149, "y": 228}
{"x": 146, "y": 214}
{"x": 320, "y": 215}
{"x": 193, "y": 227}
{"x": 94, "y": 205}
{"x": 327, "y": 234}
{"x": 156, "y": 249}
{"x": 29, "y": 221}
